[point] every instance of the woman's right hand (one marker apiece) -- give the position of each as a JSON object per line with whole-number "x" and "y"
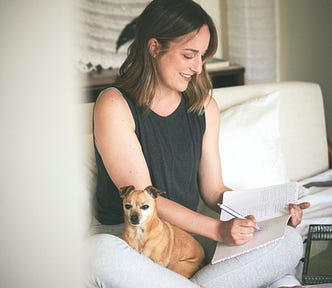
{"x": 237, "y": 231}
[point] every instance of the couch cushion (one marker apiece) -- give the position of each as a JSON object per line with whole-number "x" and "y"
{"x": 250, "y": 144}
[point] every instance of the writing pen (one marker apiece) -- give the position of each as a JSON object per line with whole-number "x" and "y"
{"x": 235, "y": 214}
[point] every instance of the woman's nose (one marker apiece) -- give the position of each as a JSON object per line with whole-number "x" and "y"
{"x": 197, "y": 65}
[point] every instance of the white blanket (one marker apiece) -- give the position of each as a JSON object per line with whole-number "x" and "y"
{"x": 320, "y": 212}
{"x": 320, "y": 198}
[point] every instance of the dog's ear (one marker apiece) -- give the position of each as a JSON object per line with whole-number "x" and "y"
{"x": 153, "y": 191}
{"x": 124, "y": 191}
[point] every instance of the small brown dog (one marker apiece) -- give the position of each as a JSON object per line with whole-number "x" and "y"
{"x": 165, "y": 244}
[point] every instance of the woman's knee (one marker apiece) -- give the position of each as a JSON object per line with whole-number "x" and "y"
{"x": 114, "y": 264}
{"x": 105, "y": 253}
{"x": 294, "y": 244}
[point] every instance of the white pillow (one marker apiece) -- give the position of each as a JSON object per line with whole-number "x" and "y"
{"x": 249, "y": 142}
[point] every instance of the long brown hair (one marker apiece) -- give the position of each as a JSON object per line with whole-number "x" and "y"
{"x": 165, "y": 20}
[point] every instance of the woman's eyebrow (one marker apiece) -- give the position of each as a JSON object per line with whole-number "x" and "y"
{"x": 193, "y": 50}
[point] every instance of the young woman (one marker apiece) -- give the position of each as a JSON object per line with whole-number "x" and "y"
{"x": 159, "y": 126}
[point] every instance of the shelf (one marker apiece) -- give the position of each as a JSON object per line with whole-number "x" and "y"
{"x": 94, "y": 82}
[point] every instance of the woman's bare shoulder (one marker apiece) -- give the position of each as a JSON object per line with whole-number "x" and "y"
{"x": 112, "y": 107}
{"x": 110, "y": 98}
{"x": 211, "y": 106}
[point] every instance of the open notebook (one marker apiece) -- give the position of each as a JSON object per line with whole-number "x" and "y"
{"x": 269, "y": 205}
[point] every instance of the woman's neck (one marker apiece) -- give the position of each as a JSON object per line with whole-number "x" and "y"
{"x": 164, "y": 105}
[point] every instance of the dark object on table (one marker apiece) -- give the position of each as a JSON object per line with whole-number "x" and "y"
{"x": 317, "y": 267}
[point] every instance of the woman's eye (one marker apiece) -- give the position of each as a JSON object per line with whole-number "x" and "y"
{"x": 188, "y": 56}
{"x": 144, "y": 207}
{"x": 128, "y": 206}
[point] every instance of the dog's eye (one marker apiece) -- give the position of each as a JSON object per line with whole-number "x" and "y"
{"x": 144, "y": 207}
{"x": 128, "y": 206}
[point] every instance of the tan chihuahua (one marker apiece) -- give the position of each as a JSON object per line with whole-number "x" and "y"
{"x": 165, "y": 244}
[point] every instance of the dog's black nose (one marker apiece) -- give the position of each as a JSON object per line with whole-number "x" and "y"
{"x": 134, "y": 219}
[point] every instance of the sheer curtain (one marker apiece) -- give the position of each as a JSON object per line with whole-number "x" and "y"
{"x": 252, "y": 38}
{"x": 100, "y": 24}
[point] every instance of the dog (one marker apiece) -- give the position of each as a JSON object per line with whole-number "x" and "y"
{"x": 164, "y": 243}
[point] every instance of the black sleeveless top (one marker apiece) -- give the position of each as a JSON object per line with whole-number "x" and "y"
{"x": 172, "y": 148}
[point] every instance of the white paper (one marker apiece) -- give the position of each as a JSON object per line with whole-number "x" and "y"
{"x": 269, "y": 206}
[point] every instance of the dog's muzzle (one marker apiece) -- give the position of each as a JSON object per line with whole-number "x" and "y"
{"x": 134, "y": 219}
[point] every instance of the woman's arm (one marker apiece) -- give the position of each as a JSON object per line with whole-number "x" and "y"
{"x": 114, "y": 130}
{"x": 235, "y": 231}
{"x": 210, "y": 174}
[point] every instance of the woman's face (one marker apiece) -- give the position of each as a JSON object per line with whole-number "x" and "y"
{"x": 182, "y": 60}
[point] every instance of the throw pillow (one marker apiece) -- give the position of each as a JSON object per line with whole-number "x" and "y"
{"x": 249, "y": 142}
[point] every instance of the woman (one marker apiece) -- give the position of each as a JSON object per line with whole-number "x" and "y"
{"x": 159, "y": 126}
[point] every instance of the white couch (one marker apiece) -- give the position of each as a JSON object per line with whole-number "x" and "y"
{"x": 270, "y": 133}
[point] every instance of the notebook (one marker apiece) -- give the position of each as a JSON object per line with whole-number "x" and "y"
{"x": 269, "y": 205}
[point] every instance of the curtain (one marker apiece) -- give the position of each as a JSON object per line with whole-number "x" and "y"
{"x": 252, "y": 38}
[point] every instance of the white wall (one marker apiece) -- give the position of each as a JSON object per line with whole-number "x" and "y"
{"x": 305, "y": 46}
{"x": 42, "y": 194}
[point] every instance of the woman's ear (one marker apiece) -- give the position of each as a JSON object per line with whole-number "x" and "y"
{"x": 154, "y": 47}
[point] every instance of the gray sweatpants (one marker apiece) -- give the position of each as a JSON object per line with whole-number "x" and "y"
{"x": 113, "y": 264}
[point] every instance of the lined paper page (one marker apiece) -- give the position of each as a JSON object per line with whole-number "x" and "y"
{"x": 263, "y": 203}
{"x": 269, "y": 206}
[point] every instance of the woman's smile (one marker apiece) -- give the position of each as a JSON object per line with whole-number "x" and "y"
{"x": 187, "y": 77}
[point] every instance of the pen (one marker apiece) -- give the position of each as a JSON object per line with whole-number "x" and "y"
{"x": 235, "y": 214}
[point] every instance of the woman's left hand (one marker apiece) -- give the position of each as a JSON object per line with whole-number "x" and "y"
{"x": 296, "y": 213}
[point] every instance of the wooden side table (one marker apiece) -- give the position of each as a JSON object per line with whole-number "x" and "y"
{"x": 232, "y": 75}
